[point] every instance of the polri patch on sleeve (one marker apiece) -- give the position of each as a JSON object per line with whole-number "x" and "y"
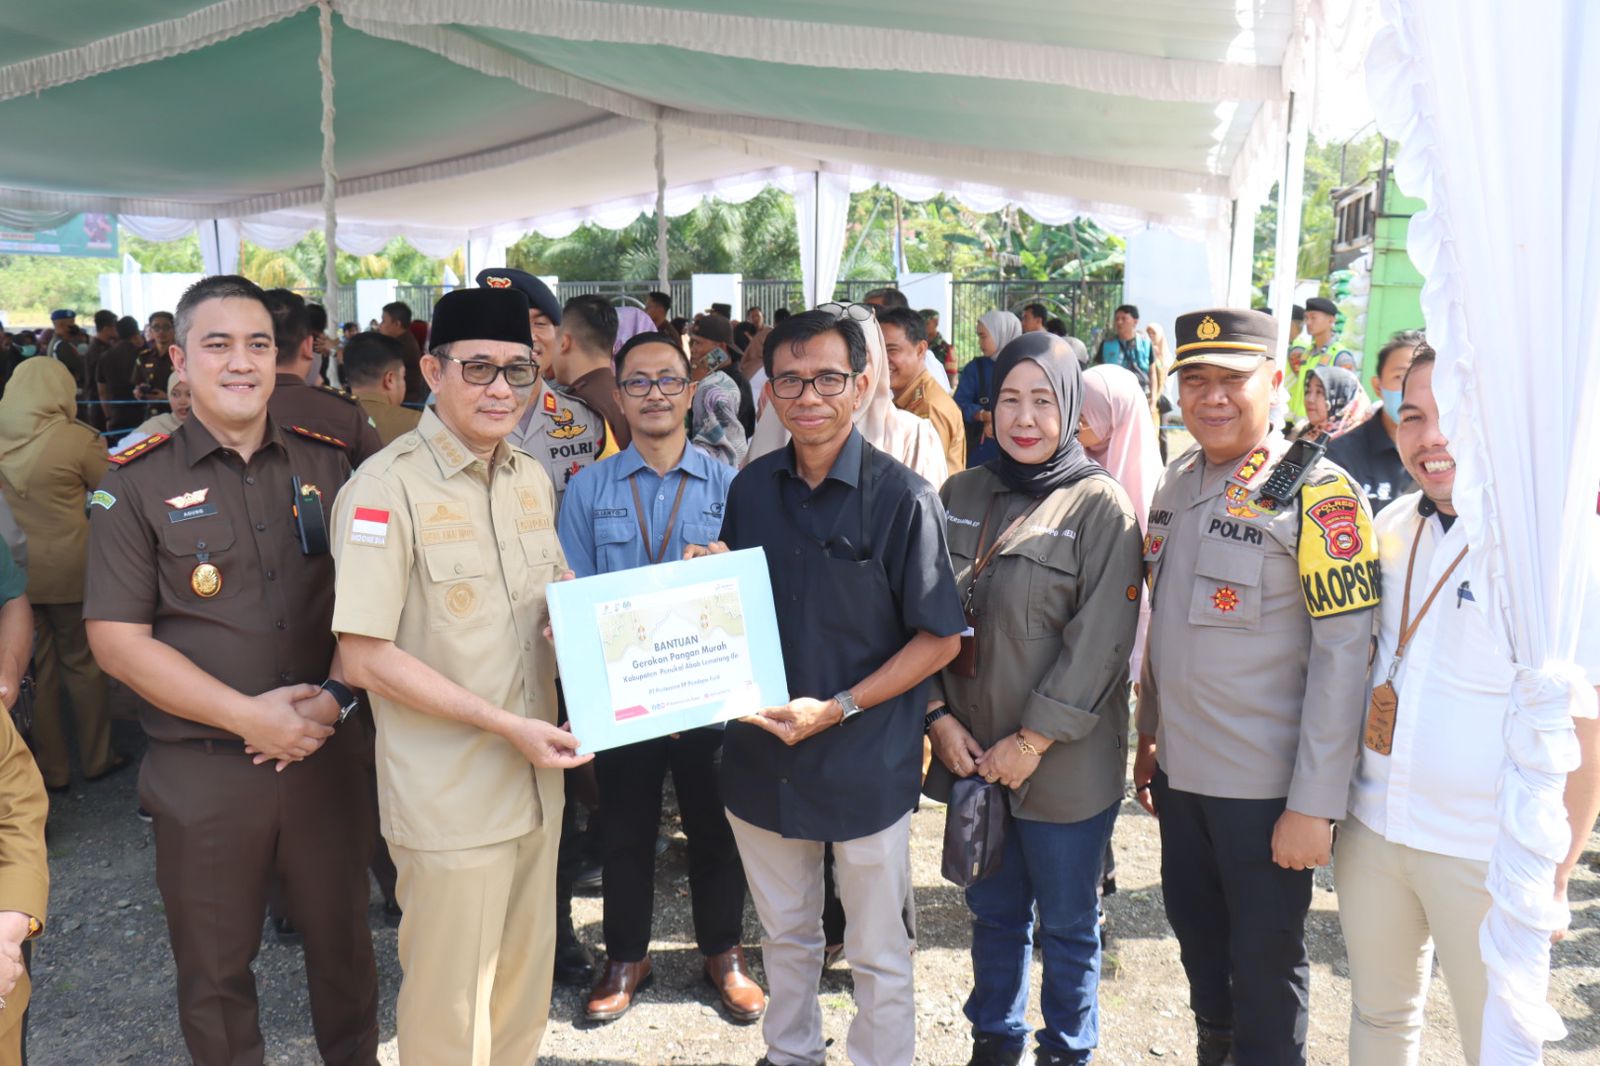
{"x": 1337, "y": 554}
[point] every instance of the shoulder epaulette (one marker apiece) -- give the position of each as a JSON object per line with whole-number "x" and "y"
{"x": 140, "y": 450}
{"x": 331, "y": 391}
{"x": 332, "y": 442}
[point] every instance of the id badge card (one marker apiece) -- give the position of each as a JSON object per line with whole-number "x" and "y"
{"x": 1381, "y": 711}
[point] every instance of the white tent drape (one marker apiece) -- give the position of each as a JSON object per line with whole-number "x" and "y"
{"x": 1498, "y": 119}
{"x": 219, "y": 245}
{"x": 821, "y": 208}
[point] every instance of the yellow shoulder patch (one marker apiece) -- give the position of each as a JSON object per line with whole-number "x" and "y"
{"x": 1338, "y": 554}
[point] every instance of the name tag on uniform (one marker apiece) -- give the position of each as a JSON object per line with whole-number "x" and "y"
{"x": 187, "y": 513}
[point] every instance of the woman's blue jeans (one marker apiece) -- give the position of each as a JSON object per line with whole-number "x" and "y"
{"x": 1055, "y": 865}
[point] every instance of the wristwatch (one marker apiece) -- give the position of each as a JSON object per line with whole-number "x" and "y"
{"x": 346, "y": 699}
{"x": 847, "y": 705}
{"x": 933, "y": 716}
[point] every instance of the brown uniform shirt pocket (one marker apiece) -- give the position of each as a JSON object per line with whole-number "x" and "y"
{"x": 456, "y": 588}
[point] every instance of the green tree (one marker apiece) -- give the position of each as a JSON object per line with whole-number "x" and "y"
{"x": 1329, "y": 167}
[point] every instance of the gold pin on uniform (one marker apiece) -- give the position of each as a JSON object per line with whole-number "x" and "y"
{"x": 206, "y": 580}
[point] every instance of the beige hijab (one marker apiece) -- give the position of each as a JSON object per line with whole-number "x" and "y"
{"x": 901, "y": 434}
{"x": 41, "y": 394}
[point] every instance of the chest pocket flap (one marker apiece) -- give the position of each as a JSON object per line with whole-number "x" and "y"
{"x": 212, "y": 537}
{"x": 614, "y": 531}
{"x": 1227, "y": 586}
{"x": 701, "y": 532}
{"x": 453, "y": 562}
{"x": 541, "y": 548}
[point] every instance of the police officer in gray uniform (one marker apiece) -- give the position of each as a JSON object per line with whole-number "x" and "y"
{"x": 1262, "y": 585}
{"x": 558, "y": 429}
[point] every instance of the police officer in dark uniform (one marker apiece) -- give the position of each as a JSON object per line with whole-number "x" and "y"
{"x": 327, "y": 411}
{"x": 210, "y": 594}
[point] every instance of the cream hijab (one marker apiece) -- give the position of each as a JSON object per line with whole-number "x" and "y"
{"x": 903, "y": 435}
{"x": 40, "y": 395}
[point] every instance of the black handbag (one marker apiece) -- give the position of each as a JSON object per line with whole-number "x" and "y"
{"x": 974, "y": 831}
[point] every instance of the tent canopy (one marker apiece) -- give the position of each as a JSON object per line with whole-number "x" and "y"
{"x": 484, "y": 119}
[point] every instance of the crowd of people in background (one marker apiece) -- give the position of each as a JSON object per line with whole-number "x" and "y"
{"x": 987, "y": 573}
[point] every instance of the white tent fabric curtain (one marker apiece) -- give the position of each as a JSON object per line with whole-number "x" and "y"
{"x": 219, "y": 245}
{"x": 1498, "y": 119}
{"x": 821, "y": 208}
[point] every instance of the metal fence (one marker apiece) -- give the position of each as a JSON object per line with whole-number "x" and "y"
{"x": 1085, "y": 307}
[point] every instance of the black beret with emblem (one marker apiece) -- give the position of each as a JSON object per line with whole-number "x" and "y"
{"x": 1323, "y": 304}
{"x": 1225, "y": 336}
{"x": 540, "y": 298}
{"x": 480, "y": 315}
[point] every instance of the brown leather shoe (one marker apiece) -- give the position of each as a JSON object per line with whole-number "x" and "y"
{"x": 741, "y": 996}
{"x": 613, "y": 993}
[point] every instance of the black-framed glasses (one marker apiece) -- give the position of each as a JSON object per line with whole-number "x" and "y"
{"x": 853, "y": 311}
{"x": 828, "y": 383}
{"x": 640, "y": 387}
{"x": 519, "y": 375}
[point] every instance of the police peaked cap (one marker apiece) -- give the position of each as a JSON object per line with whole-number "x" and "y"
{"x": 540, "y": 298}
{"x": 1226, "y": 337}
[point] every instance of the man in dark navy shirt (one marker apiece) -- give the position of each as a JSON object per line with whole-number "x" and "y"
{"x": 867, "y": 611}
{"x": 1368, "y": 453}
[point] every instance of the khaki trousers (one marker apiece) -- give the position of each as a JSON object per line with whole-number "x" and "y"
{"x": 61, "y": 655}
{"x": 477, "y": 949}
{"x": 873, "y": 874}
{"x": 1395, "y": 904}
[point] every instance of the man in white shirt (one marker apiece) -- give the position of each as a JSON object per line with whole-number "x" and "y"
{"x": 1413, "y": 855}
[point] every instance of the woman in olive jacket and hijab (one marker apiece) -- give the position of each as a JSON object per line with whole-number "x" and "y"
{"x": 1042, "y": 708}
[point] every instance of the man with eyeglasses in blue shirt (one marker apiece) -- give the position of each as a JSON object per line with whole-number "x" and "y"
{"x": 645, "y": 506}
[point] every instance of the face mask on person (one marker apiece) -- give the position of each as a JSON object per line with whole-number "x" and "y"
{"x": 1391, "y": 403}
{"x": 30, "y": 349}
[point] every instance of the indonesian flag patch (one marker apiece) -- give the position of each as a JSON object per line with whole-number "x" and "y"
{"x": 369, "y": 526}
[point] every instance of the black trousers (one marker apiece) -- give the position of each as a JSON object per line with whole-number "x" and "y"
{"x": 630, "y": 793}
{"x": 1240, "y": 920}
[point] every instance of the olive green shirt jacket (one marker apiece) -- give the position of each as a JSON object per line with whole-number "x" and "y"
{"x": 1056, "y": 610}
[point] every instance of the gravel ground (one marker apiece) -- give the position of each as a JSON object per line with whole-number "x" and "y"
{"x": 104, "y": 976}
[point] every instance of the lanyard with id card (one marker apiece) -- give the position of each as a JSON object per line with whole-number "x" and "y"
{"x": 1385, "y": 703}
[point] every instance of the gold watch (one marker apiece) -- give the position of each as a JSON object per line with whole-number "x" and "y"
{"x": 1026, "y": 748}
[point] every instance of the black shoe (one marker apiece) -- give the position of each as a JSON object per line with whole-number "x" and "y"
{"x": 391, "y": 914}
{"x": 574, "y": 963}
{"x": 59, "y": 790}
{"x": 1214, "y": 1046}
{"x": 991, "y": 1050}
{"x": 286, "y": 933}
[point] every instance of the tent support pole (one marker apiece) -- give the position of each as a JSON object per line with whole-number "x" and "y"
{"x": 663, "y": 274}
{"x": 1290, "y": 190}
{"x": 330, "y": 180}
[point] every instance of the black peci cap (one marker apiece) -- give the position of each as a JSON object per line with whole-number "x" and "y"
{"x": 1225, "y": 336}
{"x": 480, "y": 315}
{"x": 1323, "y": 304}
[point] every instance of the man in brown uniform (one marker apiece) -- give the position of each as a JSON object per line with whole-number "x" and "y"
{"x": 445, "y": 543}
{"x": 375, "y": 371}
{"x": 321, "y": 410}
{"x": 210, "y": 594}
{"x": 396, "y": 323}
{"x": 24, "y": 871}
{"x": 915, "y": 390}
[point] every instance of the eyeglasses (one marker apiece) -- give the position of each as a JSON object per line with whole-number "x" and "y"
{"x": 640, "y": 387}
{"x": 519, "y": 375}
{"x": 792, "y": 386}
{"x": 855, "y": 312}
